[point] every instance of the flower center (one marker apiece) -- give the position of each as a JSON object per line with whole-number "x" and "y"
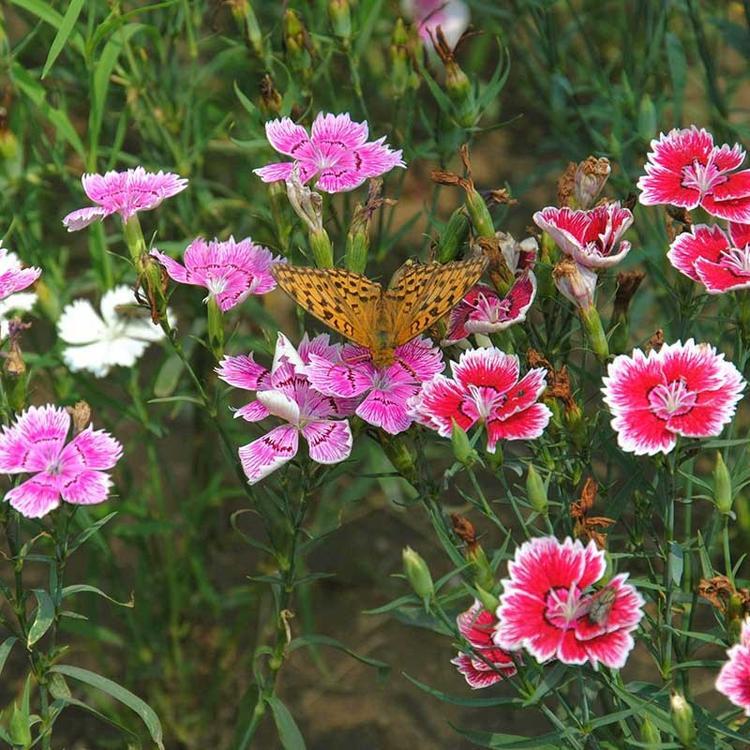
{"x": 671, "y": 399}
{"x": 215, "y": 286}
{"x": 486, "y": 400}
{"x": 564, "y": 606}
{"x": 702, "y": 177}
{"x": 737, "y": 260}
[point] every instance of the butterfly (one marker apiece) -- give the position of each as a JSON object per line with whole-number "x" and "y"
{"x": 377, "y": 318}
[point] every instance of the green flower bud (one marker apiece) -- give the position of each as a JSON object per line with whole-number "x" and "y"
{"x": 341, "y": 19}
{"x": 457, "y": 84}
{"x": 401, "y": 70}
{"x": 536, "y": 491}
{"x": 400, "y": 455}
{"x": 683, "y": 720}
{"x": 483, "y": 574}
{"x": 418, "y": 575}
{"x": 298, "y": 46}
{"x": 462, "y": 449}
{"x": 650, "y": 735}
{"x": 453, "y": 236}
{"x": 723, "y": 492}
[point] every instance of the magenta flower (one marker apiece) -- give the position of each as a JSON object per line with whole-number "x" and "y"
{"x": 683, "y": 389}
{"x": 231, "y": 271}
{"x": 550, "y": 608}
{"x": 451, "y": 15}
{"x": 350, "y": 373}
{"x": 76, "y": 473}
{"x": 706, "y": 254}
{"x": 336, "y": 152}
{"x": 285, "y": 392}
{"x": 13, "y": 276}
{"x": 485, "y": 388}
{"x": 685, "y": 169}
{"x": 125, "y": 193}
{"x": 734, "y": 677}
{"x": 591, "y": 238}
{"x": 483, "y": 310}
{"x": 478, "y": 625}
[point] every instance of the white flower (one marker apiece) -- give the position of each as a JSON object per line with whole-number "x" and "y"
{"x": 17, "y": 303}
{"x": 451, "y": 15}
{"x": 99, "y": 342}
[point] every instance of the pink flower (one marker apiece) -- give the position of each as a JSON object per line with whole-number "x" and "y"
{"x": 483, "y": 310}
{"x": 336, "y": 152}
{"x": 683, "y": 389}
{"x": 484, "y": 388}
{"x": 285, "y": 392}
{"x": 477, "y": 625}
{"x": 125, "y": 193}
{"x": 591, "y": 238}
{"x": 231, "y": 271}
{"x": 549, "y": 607}
{"x": 13, "y": 277}
{"x": 36, "y": 444}
{"x": 706, "y": 254}
{"x": 734, "y": 677}
{"x": 350, "y": 373}
{"x": 520, "y": 256}
{"x": 451, "y": 15}
{"x": 685, "y": 169}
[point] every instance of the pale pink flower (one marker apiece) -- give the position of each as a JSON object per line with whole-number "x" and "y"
{"x": 451, "y": 15}
{"x": 685, "y": 169}
{"x": 231, "y": 271}
{"x": 520, "y": 256}
{"x": 592, "y": 238}
{"x": 550, "y": 608}
{"x": 575, "y": 282}
{"x": 125, "y": 193}
{"x": 483, "y": 310}
{"x": 336, "y": 152}
{"x": 734, "y": 677}
{"x": 706, "y": 254}
{"x": 76, "y": 473}
{"x": 478, "y": 625}
{"x": 683, "y": 389}
{"x": 485, "y": 388}
{"x": 13, "y": 276}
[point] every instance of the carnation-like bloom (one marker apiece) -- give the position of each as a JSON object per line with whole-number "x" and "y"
{"x": 351, "y": 373}
{"x": 125, "y": 193}
{"x": 483, "y": 310}
{"x": 285, "y": 392}
{"x": 706, "y": 254}
{"x": 685, "y": 169}
{"x": 336, "y": 152}
{"x": 549, "y": 605}
{"x": 592, "y": 238}
{"x": 13, "y": 276}
{"x": 451, "y": 15}
{"x": 74, "y": 472}
{"x": 485, "y": 388}
{"x": 231, "y": 271}
{"x": 119, "y": 336}
{"x": 683, "y": 389}
{"x": 478, "y": 625}
{"x": 734, "y": 677}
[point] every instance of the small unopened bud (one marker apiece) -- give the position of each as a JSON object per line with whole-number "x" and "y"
{"x": 462, "y": 449}
{"x": 723, "y": 492}
{"x": 341, "y": 19}
{"x": 401, "y": 53}
{"x": 576, "y": 283}
{"x": 453, "y": 236}
{"x": 683, "y": 720}
{"x": 270, "y": 98}
{"x": 457, "y": 83}
{"x": 243, "y": 12}
{"x": 489, "y": 601}
{"x": 308, "y": 204}
{"x": 650, "y": 735}
{"x": 418, "y": 575}
{"x": 400, "y": 454}
{"x": 590, "y": 178}
{"x": 536, "y": 491}
{"x": 298, "y": 45}
{"x": 80, "y": 415}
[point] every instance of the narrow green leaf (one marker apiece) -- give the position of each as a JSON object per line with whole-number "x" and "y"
{"x": 91, "y": 530}
{"x": 63, "y": 32}
{"x": 457, "y": 700}
{"x": 45, "y": 614}
{"x": 77, "y": 588}
{"x": 289, "y": 734}
{"x": 5, "y": 651}
{"x": 324, "y": 640}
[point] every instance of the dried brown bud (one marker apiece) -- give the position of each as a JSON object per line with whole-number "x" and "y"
{"x": 14, "y": 364}
{"x": 627, "y": 285}
{"x": 590, "y": 178}
{"x": 587, "y": 527}
{"x": 80, "y": 413}
{"x": 656, "y": 341}
{"x": 464, "y": 530}
{"x": 566, "y": 184}
{"x": 270, "y": 98}
{"x": 499, "y": 197}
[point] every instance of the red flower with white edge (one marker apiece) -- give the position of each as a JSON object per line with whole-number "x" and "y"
{"x": 592, "y": 238}
{"x": 734, "y": 677}
{"x": 483, "y": 310}
{"x": 686, "y": 169}
{"x": 683, "y": 389}
{"x": 550, "y": 607}
{"x": 485, "y": 388}
{"x": 719, "y": 261}
{"x": 478, "y": 625}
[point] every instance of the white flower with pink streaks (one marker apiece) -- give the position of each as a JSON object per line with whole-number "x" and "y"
{"x": 734, "y": 678}
{"x": 336, "y": 153}
{"x": 231, "y": 271}
{"x": 718, "y": 260}
{"x": 549, "y": 605}
{"x": 683, "y": 389}
{"x": 75, "y": 471}
{"x": 451, "y": 15}
{"x": 124, "y": 193}
{"x": 592, "y": 238}
{"x": 384, "y": 391}
{"x": 686, "y": 169}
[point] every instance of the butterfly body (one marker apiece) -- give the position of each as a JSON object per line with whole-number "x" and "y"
{"x": 380, "y": 319}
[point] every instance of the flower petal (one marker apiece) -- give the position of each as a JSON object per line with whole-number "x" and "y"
{"x": 35, "y": 497}
{"x": 329, "y": 442}
{"x": 268, "y": 453}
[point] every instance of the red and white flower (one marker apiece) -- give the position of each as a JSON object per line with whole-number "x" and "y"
{"x": 478, "y": 625}
{"x": 686, "y": 169}
{"x": 734, "y": 677}
{"x": 592, "y": 238}
{"x": 483, "y": 310}
{"x": 719, "y": 261}
{"x": 550, "y": 607}
{"x": 485, "y": 388}
{"x": 683, "y": 389}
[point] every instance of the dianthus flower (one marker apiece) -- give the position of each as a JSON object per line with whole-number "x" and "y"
{"x": 451, "y": 15}
{"x": 734, "y": 677}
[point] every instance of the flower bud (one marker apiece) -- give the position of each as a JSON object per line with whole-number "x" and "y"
{"x": 489, "y": 601}
{"x": 462, "y": 449}
{"x": 483, "y": 574}
{"x": 576, "y": 283}
{"x": 682, "y": 720}
{"x": 536, "y": 492}
{"x": 244, "y": 15}
{"x": 307, "y": 204}
{"x": 80, "y": 415}
{"x": 650, "y": 735}
{"x": 723, "y": 492}
{"x": 590, "y": 178}
{"x": 14, "y": 369}
{"x": 453, "y": 236}
{"x": 402, "y": 75}
{"x": 457, "y": 84}
{"x": 151, "y": 277}
{"x": 298, "y": 46}
{"x": 418, "y": 575}
{"x": 270, "y": 98}
{"x": 399, "y": 453}
{"x": 341, "y": 20}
